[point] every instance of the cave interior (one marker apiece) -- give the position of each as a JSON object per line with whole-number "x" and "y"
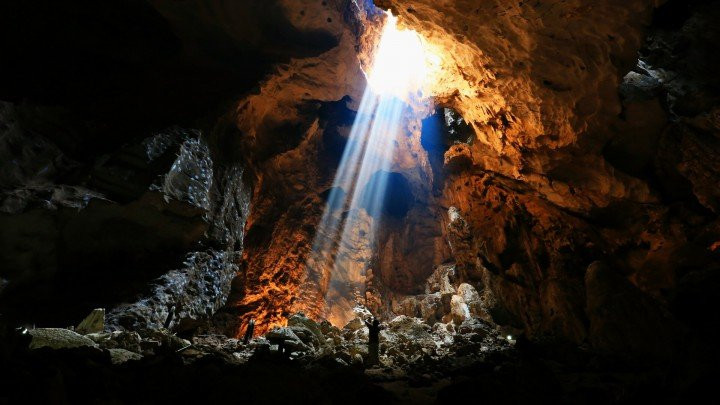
{"x": 211, "y": 200}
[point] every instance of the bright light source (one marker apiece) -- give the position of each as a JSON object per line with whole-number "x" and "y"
{"x": 400, "y": 63}
{"x": 509, "y": 337}
{"x": 400, "y": 71}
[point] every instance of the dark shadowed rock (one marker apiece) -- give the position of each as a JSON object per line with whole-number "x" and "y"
{"x": 121, "y": 356}
{"x": 623, "y": 320}
{"x": 186, "y": 296}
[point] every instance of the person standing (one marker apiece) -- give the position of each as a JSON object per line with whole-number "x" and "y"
{"x": 374, "y": 329}
{"x": 249, "y": 331}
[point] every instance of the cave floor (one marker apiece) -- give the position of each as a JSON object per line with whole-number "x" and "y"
{"x": 418, "y": 364}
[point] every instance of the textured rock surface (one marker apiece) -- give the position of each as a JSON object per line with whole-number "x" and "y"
{"x": 292, "y": 133}
{"x": 181, "y": 298}
{"x": 570, "y": 160}
{"x": 120, "y": 356}
{"x": 564, "y": 133}
{"x": 102, "y": 188}
{"x": 93, "y": 323}
{"x": 554, "y": 152}
{"x": 164, "y": 215}
{"x": 58, "y": 338}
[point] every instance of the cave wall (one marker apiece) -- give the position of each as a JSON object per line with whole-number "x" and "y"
{"x": 568, "y": 165}
{"x": 121, "y": 185}
{"x": 574, "y": 164}
{"x": 292, "y": 133}
{"x": 158, "y": 149}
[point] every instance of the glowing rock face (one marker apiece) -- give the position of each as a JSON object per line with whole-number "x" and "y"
{"x": 400, "y": 62}
{"x": 346, "y": 238}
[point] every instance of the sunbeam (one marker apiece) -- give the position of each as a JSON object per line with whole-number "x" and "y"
{"x": 353, "y": 211}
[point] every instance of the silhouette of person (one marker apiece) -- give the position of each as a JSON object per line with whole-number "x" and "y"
{"x": 249, "y": 331}
{"x": 283, "y": 350}
{"x": 374, "y": 329}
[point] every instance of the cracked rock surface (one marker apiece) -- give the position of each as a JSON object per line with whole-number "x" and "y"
{"x": 551, "y": 232}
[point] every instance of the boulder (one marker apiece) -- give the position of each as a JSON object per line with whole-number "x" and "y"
{"x": 408, "y": 306}
{"x": 93, "y": 323}
{"x": 407, "y": 336}
{"x": 306, "y": 336}
{"x": 443, "y": 333}
{"x": 332, "y": 334}
{"x": 58, "y": 338}
{"x": 407, "y": 325}
{"x": 107, "y": 340}
{"x": 259, "y": 344}
{"x": 431, "y": 308}
{"x": 306, "y": 329}
{"x": 287, "y": 337}
{"x": 280, "y": 334}
{"x": 474, "y": 302}
{"x": 459, "y": 309}
{"x": 354, "y": 324}
{"x": 440, "y": 281}
{"x": 327, "y": 328}
{"x": 120, "y": 356}
{"x": 119, "y": 339}
{"x": 297, "y": 346}
{"x": 474, "y": 326}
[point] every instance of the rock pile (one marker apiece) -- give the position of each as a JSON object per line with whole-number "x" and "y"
{"x": 443, "y": 302}
{"x": 406, "y": 343}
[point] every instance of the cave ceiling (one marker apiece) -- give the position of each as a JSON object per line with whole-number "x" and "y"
{"x": 567, "y": 133}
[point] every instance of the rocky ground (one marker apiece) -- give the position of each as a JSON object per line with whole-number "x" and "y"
{"x": 419, "y": 363}
{"x": 170, "y": 161}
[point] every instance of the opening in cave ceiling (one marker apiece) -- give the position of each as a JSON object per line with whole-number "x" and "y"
{"x": 360, "y": 193}
{"x": 508, "y": 187}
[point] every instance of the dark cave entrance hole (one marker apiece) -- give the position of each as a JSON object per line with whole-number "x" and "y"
{"x": 396, "y": 199}
{"x": 441, "y": 130}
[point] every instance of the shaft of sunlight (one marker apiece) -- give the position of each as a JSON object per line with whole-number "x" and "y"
{"x": 348, "y": 228}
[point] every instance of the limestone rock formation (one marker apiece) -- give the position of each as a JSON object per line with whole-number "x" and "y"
{"x": 529, "y": 174}
{"x": 120, "y": 356}
{"x": 181, "y": 298}
{"x": 93, "y": 323}
{"x": 556, "y": 180}
{"x": 58, "y": 338}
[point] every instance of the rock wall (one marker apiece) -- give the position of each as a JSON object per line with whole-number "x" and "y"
{"x": 571, "y": 161}
{"x": 108, "y": 198}
{"x": 561, "y": 157}
{"x": 576, "y": 141}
